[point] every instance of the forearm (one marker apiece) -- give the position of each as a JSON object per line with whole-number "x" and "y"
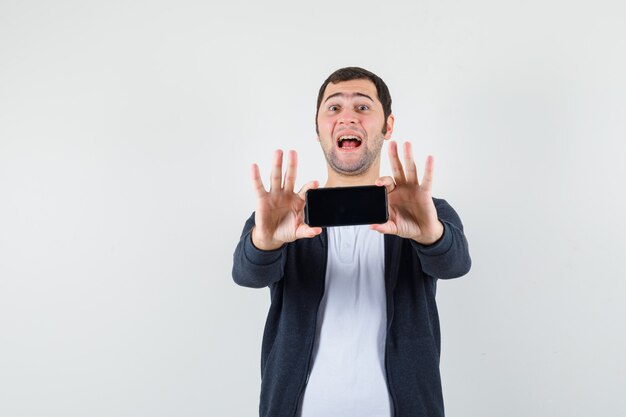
{"x": 253, "y": 267}
{"x": 449, "y": 256}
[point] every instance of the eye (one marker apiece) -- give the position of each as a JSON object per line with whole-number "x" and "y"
{"x": 333, "y": 107}
{"x": 363, "y": 107}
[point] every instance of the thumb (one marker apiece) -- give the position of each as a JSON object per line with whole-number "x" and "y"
{"x": 305, "y": 231}
{"x": 388, "y": 228}
{"x": 306, "y": 187}
{"x": 386, "y": 182}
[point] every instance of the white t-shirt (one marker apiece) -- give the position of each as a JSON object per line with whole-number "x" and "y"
{"x": 347, "y": 377}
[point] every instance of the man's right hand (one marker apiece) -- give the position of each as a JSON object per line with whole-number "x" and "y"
{"x": 279, "y": 216}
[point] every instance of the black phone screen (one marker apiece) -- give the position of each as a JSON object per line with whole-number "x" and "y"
{"x": 346, "y": 206}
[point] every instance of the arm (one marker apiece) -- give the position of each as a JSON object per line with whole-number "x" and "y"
{"x": 449, "y": 256}
{"x": 253, "y": 267}
{"x": 434, "y": 228}
{"x": 259, "y": 258}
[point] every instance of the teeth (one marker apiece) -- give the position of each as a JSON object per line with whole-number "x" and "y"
{"x": 348, "y": 137}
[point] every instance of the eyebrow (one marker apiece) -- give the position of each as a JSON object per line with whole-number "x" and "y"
{"x": 348, "y": 95}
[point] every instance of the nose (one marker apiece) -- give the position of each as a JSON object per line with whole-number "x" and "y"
{"x": 348, "y": 116}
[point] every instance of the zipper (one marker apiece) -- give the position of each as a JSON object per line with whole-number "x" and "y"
{"x": 308, "y": 366}
{"x": 390, "y": 313}
{"x": 394, "y": 406}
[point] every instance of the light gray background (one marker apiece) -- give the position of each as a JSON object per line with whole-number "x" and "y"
{"x": 127, "y": 130}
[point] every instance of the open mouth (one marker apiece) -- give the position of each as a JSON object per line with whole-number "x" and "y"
{"x": 348, "y": 141}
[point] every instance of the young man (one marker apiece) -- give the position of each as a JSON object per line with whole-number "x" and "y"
{"x": 353, "y": 328}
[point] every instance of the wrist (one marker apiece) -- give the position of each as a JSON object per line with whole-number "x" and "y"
{"x": 431, "y": 238}
{"x": 264, "y": 244}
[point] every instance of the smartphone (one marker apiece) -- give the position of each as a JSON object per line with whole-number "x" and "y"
{"x": 346, "y": 206}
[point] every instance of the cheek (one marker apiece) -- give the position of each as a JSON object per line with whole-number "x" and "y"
{"x": 374, "y": 127}
{"x": 371, "y": 129}
{"x": 325, "y": 125}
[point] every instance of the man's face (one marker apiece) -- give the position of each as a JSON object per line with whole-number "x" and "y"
{"x": 350, "y": 123}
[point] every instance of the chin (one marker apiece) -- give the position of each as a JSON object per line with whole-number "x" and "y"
{"x": 354, "y": 169}
{"x": 349, "y": 168}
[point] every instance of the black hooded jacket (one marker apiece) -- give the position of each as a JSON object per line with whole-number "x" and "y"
{"x": 295, "y": 275}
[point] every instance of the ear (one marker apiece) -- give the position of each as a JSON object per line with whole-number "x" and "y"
{"x": 390, "y": 121}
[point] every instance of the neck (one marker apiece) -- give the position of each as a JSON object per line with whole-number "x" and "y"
{"x": 369, "y": 177}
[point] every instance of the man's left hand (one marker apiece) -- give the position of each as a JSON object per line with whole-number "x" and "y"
{"x": 412, "y": 213}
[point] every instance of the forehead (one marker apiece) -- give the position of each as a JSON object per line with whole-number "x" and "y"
{"x": 363, "y": 86}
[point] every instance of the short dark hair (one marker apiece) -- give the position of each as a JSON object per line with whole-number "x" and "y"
{"x": 357, "y": 73}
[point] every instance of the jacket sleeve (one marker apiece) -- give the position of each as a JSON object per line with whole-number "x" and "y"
{"x": 449, "y": 256}
{"x": 253, "y": 267}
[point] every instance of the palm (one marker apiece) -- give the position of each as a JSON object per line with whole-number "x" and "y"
{"x": 279, "y": 217}
{"x": 409, "y": 211}
{"x": 412, "y": 212}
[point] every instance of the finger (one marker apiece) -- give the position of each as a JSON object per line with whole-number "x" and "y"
{"x": 386, "y": 182}
{"x": 277, "y": 170}
{"x": 396, "y": 166}
{"x": 306, "y": 187}
{"x": 409, "y": 164}
{"x": 386, "y": 228}
{"x": 427, "y": 181}
{"x": 305, "y": 231}
{"x": 256, "y": 181}
{"x": 292, "y": 170}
